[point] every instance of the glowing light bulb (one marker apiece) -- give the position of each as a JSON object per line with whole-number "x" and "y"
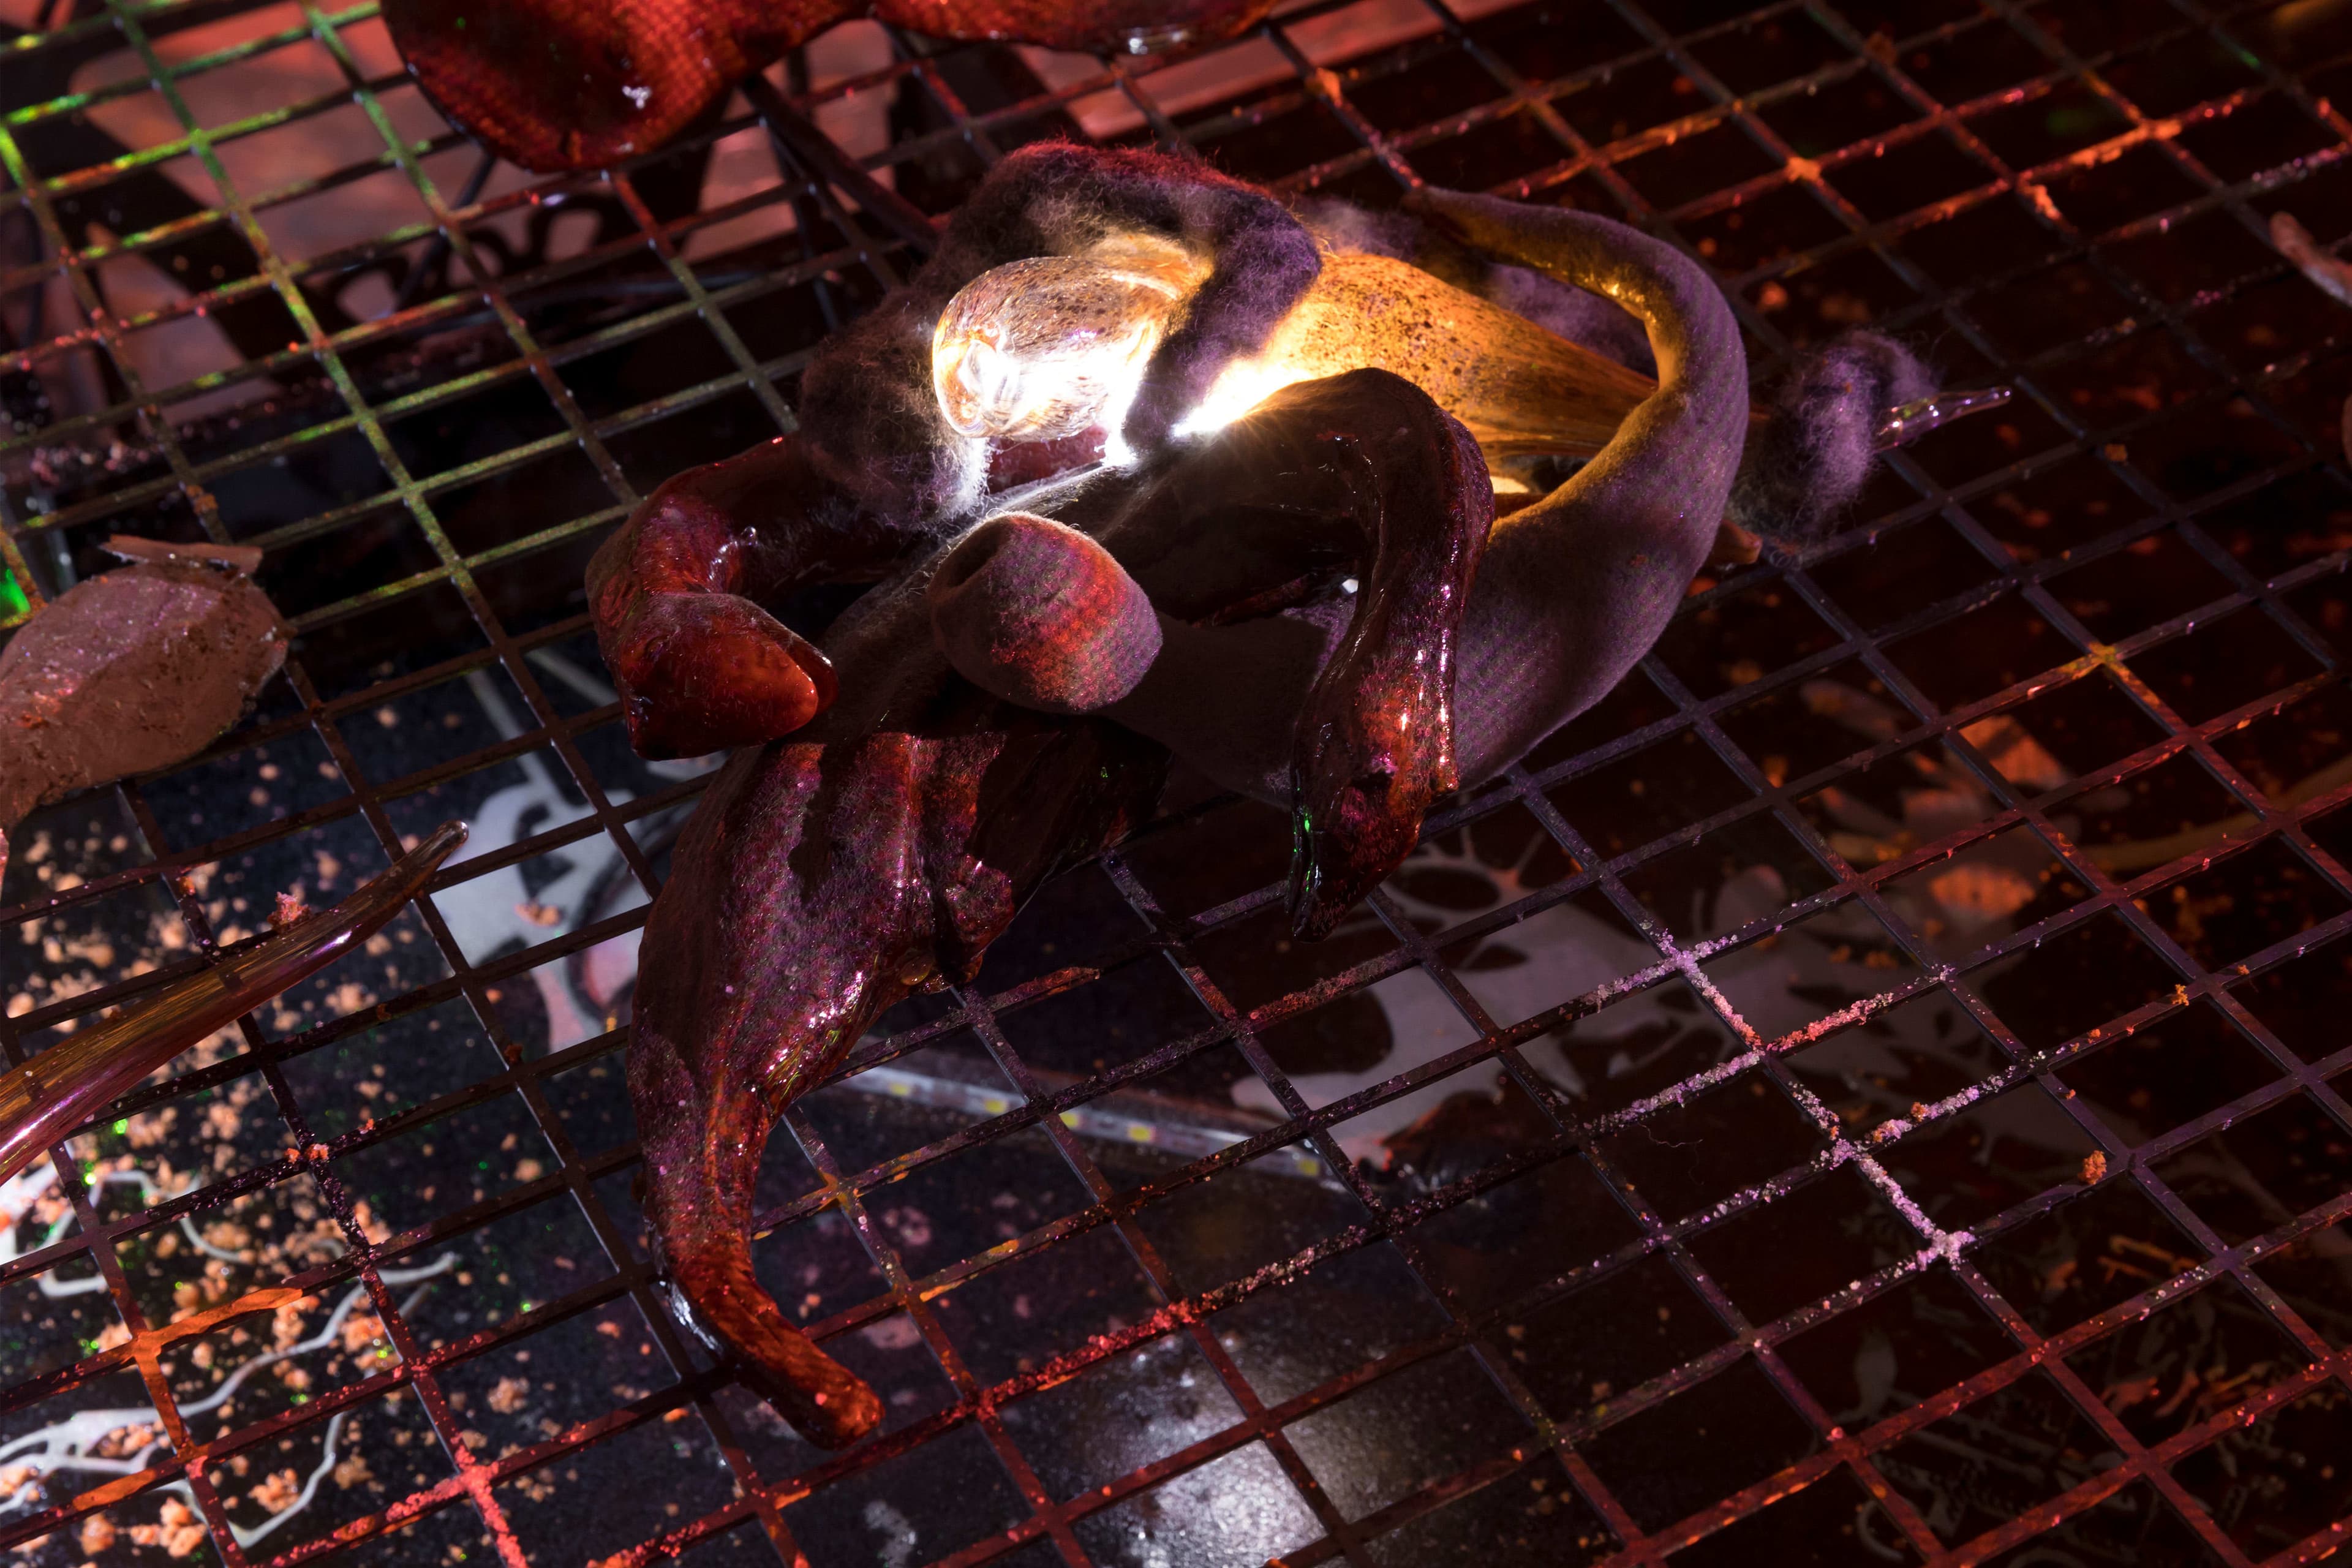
{"x": 1054, "y": 345}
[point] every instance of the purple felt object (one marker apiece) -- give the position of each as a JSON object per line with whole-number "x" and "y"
{"x": 1343, "y": 626}
{"x": 1808, "y": 460}
{"x": 1040, "y": 614}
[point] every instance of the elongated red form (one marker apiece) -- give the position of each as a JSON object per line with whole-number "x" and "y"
{"x": 581, "y": 84}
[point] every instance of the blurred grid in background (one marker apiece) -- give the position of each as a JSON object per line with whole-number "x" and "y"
{"x": 1869, "y": 1092}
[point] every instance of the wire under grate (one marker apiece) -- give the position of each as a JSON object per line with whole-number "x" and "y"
{"x": 1862, "y": 1094}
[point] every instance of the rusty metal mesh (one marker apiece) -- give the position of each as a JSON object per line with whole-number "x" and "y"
{"x": 1860, "y": 1095}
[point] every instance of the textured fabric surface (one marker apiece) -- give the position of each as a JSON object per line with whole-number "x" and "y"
{"x": 1809, "y": 459}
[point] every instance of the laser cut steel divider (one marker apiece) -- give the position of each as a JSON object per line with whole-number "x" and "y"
{"x": 1859, "y": 52}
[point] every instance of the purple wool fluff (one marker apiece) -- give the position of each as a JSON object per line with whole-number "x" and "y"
{"x": 1807, "y": 463}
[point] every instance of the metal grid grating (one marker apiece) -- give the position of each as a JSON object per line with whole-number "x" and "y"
{"x": 2032, "y": 776}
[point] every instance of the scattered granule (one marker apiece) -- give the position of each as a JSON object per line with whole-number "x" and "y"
{"x": 290, "y": 908}
{"x": 124, "y": 1441}
{"x": 221, "y": 1120}
{"x": 472, "y": 1440}
{"x": 97, "y": 1533}
{"x": 2094, "y": 1168}
{"x": 361, "y": 1329}
{"x": 92, "y": 949}
{"x": 1976, "y": 894}
{"x": 113, "y": 1334}
{"x": 286, "y": 1322}
{"x": 507, "y": 1396}
{"x": 276, "y": 1494}
{"x": 149, "y": 1128}
{"x": 529, "y": 1170}
{"x": 352, "y": 1472}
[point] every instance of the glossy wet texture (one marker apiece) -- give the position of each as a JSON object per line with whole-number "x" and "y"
{"x": 565, "y": 84}
{"x": 1100, "y": 1310}
{"x": 1314, "y": 572}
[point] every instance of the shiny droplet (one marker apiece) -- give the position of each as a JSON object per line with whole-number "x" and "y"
{"x": 1906, "y": 422}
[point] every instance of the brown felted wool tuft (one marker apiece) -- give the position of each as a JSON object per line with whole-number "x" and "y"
{"x": 1040, "y": 614}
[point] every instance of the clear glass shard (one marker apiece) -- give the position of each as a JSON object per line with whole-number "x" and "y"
{"x": 1906, "y": 422}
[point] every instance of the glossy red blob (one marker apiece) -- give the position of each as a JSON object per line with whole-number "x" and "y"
{"x": 700, "y": 667}
{"x": 581, "y": 84}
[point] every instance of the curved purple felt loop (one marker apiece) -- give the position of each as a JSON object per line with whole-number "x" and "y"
{"x": 1572, "y": 591}
{"x": 1576, "y": 588}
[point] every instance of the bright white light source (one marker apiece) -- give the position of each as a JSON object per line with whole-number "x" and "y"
{"x": 1245, "y": 384}
{"x": 1054, "y": 345}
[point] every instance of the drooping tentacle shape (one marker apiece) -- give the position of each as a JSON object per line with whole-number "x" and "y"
{"x": 581, "y": 84}
{"x": 1576, "y": 588}
{"x": 826, "y": 876}
{"x": 1398, "y": 494}
{"x": 822, "y": 880}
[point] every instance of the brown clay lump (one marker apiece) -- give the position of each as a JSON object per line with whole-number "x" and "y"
{"x": 127, "y": 672}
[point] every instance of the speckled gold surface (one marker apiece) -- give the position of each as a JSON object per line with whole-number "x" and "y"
{"x": 1043, "y": 348}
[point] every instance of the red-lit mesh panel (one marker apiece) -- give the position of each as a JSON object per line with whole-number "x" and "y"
{"x": 1865, "y": 1093}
